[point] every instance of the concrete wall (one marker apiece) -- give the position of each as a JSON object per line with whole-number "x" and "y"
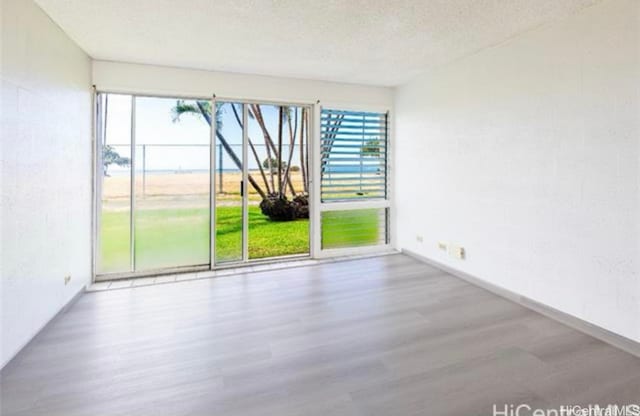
{"x": 527, "y": 154}
{"x": 150, "y": 79}
{"x": 46, "y": 172}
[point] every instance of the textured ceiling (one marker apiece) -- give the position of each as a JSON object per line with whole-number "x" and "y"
{"x": 377, "y": 42}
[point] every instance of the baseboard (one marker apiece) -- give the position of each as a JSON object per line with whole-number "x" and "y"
{"x": 62, "y": 310}
{"x": 618, "y": 341}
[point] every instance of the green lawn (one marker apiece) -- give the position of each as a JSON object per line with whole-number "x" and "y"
{"x": 354, "y": 228}
{"x": 180, "y": 236}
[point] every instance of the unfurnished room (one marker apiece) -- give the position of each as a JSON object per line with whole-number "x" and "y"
{"x": 299, "y": 207}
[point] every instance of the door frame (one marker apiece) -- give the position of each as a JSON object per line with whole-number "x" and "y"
{"x": 98, "y": 125}
{"x": 310, "y": 107}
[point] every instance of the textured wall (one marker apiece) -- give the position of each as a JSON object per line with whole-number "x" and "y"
{"x": 527, "y": 154}
{"x": 46, "y": 172}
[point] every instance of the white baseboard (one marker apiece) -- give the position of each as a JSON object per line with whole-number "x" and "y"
{"x": 618, "y": 341}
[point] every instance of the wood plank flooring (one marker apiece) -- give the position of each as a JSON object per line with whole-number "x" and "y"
{"x": 379, "y": 336}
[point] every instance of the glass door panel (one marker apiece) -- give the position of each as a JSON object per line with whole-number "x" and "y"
{"x": 278, "y": 225}
{"x": 228, "y": 183}
{"x": 154, "y": 180}
{"x": 114, "y": 183}
{"x": 172, "y": 188}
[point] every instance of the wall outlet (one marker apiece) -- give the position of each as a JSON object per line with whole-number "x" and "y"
{"x": 442, "y": 245}
{"x": 457, "y": 252}
{"x": 419, "y": 238}
{"x": 67, "y": 279}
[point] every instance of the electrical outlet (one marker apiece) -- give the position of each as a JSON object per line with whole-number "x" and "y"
{"x": 442, "y": 245}
{"x": 457, "y": 252}
{"x": 67, "y": 279}
{"x": 419, "y": 238}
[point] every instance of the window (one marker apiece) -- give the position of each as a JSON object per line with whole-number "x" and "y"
{"x": 354, "y": 228}
{"x": 354, "y": 181}
{"x": 353, "y": 162}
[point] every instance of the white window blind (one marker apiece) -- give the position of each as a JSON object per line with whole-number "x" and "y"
{"x": 354, "y": 149}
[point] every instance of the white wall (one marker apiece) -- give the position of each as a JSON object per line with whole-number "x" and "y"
{"x": 150, "y": 79}
{"x": 46, "y": 172}
{"x": 527, "y": 154}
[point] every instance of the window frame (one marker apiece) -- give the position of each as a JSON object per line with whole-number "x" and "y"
{"x": 318, "y": 206}
{"x": 346, "y": 159}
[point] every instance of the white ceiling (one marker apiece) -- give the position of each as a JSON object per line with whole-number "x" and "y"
{"x": 376, "y": 42}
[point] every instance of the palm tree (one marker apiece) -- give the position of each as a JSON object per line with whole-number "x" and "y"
{"x": 292, "y": 141}
{"x": 275, "y": 203}
{"x": 203, "y": 109}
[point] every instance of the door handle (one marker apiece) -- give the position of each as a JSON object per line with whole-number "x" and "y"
{"x": 242, "y": 189}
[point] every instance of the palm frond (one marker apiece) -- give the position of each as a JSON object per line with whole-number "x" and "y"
{"x": 182, "y": 107}
{"x": 193, "y": 107}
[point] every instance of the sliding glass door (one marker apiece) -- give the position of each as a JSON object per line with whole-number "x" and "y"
{"x": 261, "y": 206}
{"x": 155, "y": 200}
{"x": 229, "y": 197}
{"x": 113, "y": 184}
{"x": 173, "y": 195}
{"x": 278, "y": 223}
{"x": 172, "y": 165}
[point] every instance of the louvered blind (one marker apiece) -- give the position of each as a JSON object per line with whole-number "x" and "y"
{"x": 353, "y": 155}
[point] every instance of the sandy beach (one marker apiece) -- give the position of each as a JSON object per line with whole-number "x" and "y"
{"x": 185, "y": 184}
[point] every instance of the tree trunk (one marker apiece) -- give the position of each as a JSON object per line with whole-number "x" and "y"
{"x": 279, "y": 160}
{"x": 257, "y": 113}
{"x": 255, "y": 155}
{"x": 229, "y": 150}
{"x": 303, "y": 165}
{"x": 292, "y": 142}
{"x": 253, "y": 149}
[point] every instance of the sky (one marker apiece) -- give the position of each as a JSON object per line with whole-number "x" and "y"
{"x": 181, "y": 145}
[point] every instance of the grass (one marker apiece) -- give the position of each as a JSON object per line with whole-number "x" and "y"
{"x": 266, "y": 238}
{"x": 351, "y": 228}
{"x": 180, "y": 236}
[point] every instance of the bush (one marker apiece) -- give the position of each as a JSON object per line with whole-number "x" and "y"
{"x": 281, "y": 209}
{"x": 301, "y": 206}
{"x": 277, "y": 208}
